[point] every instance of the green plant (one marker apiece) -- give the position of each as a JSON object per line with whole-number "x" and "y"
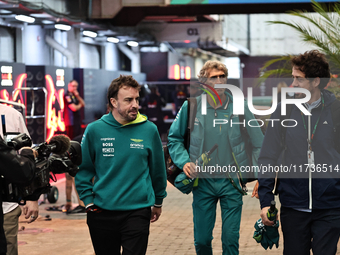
{"x": 321, "y": 29}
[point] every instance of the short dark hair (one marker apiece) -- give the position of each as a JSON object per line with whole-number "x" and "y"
{"x": 116, "y": 84}
{"x": 72, "y": 81}
{"x": 313, "y": 64}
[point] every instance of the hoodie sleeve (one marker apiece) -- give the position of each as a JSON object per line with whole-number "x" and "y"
{"x": 83, "y": 179}
{"x": 269, "y": 155}
{"x": 176, "y": 138}
{"x": 157, "y": 168}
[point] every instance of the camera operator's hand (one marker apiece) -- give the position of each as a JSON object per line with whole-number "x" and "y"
{"x": 35, "y": 153}
{"x": 31, "y": 211}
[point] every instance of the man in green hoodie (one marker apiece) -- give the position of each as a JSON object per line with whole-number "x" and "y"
{"x": 123, "y": 153}
{"x": 231, "y": 154}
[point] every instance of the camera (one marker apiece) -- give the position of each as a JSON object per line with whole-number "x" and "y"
{"x": 59, "y": 155}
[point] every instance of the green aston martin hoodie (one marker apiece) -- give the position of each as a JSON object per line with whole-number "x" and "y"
{"x": 127, "y": 164}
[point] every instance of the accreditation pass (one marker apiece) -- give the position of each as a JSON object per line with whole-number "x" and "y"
{"x": 310, "y": 155}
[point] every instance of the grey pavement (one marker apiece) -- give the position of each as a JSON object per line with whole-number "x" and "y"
{"x": 171, "y": 234}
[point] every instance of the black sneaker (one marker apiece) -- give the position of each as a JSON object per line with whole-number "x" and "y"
{"x": 78, "y": 210}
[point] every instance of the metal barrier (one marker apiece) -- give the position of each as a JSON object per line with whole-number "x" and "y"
{"x": 32, "y": 116}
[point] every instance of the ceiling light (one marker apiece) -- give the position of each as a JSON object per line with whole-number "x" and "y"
{"x": 2, "y": 11}
{"x": 25, "y": 18}
{"x": 41, "y": 15}
{"x": 232, "y": 48}
{"x": 47, "y": 22}
{"x": 113, "y": 39}
{"x": 216, "y": 17}
{"x": 90, "y": 34}
{"x": 132, "y": 43}
{"x": 62, "y": 27}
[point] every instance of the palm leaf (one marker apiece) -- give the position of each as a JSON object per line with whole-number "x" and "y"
{"x": 283, "y": 69}
{"x": 321, "y": 29}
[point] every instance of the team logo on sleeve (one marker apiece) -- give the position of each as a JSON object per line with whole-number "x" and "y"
{"x": 68, "y": 99}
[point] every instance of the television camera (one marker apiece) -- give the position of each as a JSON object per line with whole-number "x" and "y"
{"x": 59, "y": 155}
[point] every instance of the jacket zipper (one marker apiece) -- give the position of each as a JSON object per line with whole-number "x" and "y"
{"x": 310, "y": 172}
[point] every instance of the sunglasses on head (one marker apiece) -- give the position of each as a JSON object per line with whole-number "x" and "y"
{"x": 222, "y": 76}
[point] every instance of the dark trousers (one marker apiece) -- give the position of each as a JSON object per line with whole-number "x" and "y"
{"x": 3, "y": 243}
{"x": 111, "y": 230}
{"x": 318, "y": 230}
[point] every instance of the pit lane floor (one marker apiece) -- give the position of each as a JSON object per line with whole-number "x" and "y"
{"x": 172, "y": 234}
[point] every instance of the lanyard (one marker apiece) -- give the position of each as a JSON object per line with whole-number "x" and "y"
{"x": 316, "y": 124}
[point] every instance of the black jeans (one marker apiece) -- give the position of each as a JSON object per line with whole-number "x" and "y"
{"x": 111, "y": 230}
{"x": 318, "y": 230}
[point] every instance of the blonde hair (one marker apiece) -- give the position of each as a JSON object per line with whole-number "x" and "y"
{"x": 212, "y": 64}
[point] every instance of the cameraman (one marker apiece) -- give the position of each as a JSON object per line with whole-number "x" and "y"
{"x": 18, "y": 169}
{"x": 14, "y": 122}
{"x": 15, "y": 168}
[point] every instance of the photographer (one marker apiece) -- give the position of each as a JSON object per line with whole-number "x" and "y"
{"x": 13, "y": 122}
{"x": 26, "y": 176}
{"x": 21, "y": 166}
{"x": 15, "y": 168}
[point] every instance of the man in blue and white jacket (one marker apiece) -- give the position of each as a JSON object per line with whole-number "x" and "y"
{"x": 310, "y": 192}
